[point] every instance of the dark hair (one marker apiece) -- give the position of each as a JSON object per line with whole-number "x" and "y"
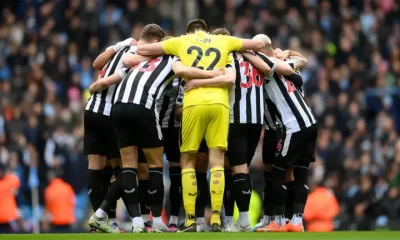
{"x": 152, "y": 32}
{"x": 221, "y": 31}
{"x": 196, "y": 24}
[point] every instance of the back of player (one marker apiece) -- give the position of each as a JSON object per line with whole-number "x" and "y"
{"x": 205, "y": 112}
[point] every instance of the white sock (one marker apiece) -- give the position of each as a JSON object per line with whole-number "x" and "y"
{"x": 146, "y": 217}
{"x": 157, "y": 220}
{"x": 200, "y": 220}
{"x": 267, "y": 219}
{"x": 173, "y": 220}
{"x": 113, "y": 220}
{"x": 280, "y": 220}
{"x": 244, "y": 219}
{"x": 297, "y": 219}
{"x": 138, "y": 221}
{"x": 228, "y": 219}
{"x": 100, "y": 213}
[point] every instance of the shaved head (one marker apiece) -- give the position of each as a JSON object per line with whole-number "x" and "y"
{"x": 268, "y": 44}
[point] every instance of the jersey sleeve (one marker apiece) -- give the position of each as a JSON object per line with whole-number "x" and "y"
{"x": 271, "y": 63}
{"x": 171, "y": 46}
{"x": 234, "y": 44}
{"x": 179, "y": 99}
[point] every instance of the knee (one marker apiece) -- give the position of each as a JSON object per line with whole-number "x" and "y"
{"x": 143, "y": 171}
{"x": 96, "y": 162}
{"x": 188, "y": 160}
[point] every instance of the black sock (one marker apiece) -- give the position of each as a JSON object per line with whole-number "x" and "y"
{"x": 291, "y": 192}
{"x": 131, "y": 192}
{"x": 203, "y": 194}
{"x": 229, "y": 201}
{"x": 268, "y": 198}
{"x": 241, "y": 191}
{"x": 144, "y": 198}
{"x": 279, "y": 191}
{"x": 156, "y": 191}
{"x": 301, "y": 192}
{"x": 175, "y": 190}
{"x": 108, "y": 172}
{"x": 113, "y": 194}
{"x": 249, "y": 179}
{"x": 95, "y": 186}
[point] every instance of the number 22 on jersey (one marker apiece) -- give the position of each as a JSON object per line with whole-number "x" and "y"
{"x": 209, "y": 52}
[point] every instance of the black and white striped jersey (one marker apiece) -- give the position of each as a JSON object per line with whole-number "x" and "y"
{"x": 145, "y": 83}
{"x": 292, "y": 110}
{"x": 101, "y": 102}
{"x": 166, "y": 104}
{"x": 246, "y": 96}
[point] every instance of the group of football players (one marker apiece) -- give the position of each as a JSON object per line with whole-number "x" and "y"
{"x": 202, "y": 99}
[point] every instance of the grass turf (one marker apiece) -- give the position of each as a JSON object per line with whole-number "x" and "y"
{"x": 213, "y": 236}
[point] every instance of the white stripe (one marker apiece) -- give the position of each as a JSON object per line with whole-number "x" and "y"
{"x": 286, "y": 144}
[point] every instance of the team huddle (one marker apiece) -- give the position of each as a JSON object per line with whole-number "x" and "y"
{"x": 202, "y": 99}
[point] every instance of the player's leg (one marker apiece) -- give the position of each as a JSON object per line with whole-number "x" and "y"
{"x": 203, "y": 192}
{"x": 241, "y": 190}
{"x": 291, "y": 191}
{"x": 143, "y": 178}
{"x": 153, "y": 149}
{"x": 229, "y": 201}
{"x": 93, "y": 148}
{"x": 171, "y": 150}
{"x": 288, "y": 147}
{"x": 268, "y": 155}
{"x": 300, "y": 172}
{"x": 127, "y": 132}
{"x": 108, "y": 178}
{"x": 194, "y": 123}
{"x": 217, "y": 141}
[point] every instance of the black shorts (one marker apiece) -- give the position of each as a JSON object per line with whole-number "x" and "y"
{"x": 99, "y": 137}
{"x": 171, "y": 144}
{"x": 242, "y": 143}
{"x": 135, "y": 125}
{"x": 296, "y": 147}
{"x": 269, "y": 146}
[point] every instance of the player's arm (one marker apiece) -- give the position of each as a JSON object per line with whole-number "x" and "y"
{"x": 106, "y": 82}
{"x": 105, "y": 56}
{"x": 300, "y": 60}
{"x": 276, "y": 65}
{"x": 190, "y": 72}
{"x": 131, "y": 59}
{"x": 225, "y": 80}
{"x": 170, "y": 46}
{"x": 261, "y": 66}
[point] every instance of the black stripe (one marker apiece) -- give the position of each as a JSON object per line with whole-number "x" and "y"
{"x": 248, "y": 103}
{"x": 94, "y": 95}
{"x": 164, "y": 108}
{"x": 168, "y": 79}
{"x": 258, "y": 103}
{"x": 289, "y": 101}
{"x": 171, "y": 120}
{"x": 123, "y": 87}
{"x": 238, "y": 91}
{"x": 116, "y": 62}
{"x": 135, "y": 83}
{"x": 153, "y": 78}
{"x": 303, "y": 104}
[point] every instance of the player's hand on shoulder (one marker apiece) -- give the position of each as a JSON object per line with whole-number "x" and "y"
{"x": 127, "y": 42}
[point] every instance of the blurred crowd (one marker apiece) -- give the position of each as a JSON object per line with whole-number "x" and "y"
{"x": 352, "y": 82}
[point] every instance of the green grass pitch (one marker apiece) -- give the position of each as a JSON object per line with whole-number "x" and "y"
{"x": 213, "y": 236}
